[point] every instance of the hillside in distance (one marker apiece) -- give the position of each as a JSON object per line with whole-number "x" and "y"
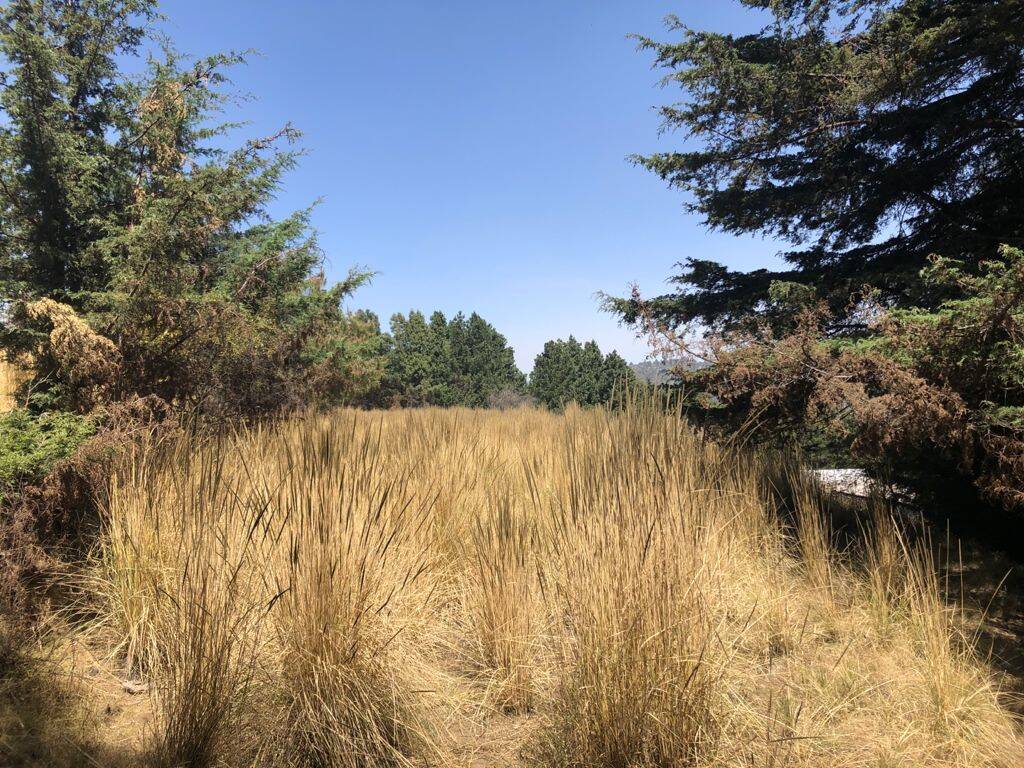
{"x": 661, "y": 371}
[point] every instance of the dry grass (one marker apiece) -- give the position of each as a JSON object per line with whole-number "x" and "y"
{"x": 47, "y": 717}
{"x": 353, "y": 589}
{"x": 11, "y": 377}
{"x": 504, "y": 605}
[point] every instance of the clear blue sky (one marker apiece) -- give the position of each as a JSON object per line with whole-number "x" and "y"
{"x": 474, "y": 153}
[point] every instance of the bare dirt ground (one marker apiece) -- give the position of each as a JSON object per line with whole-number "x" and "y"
{"x": 119, "y": 715}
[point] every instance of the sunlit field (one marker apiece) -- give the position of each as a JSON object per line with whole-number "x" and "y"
{"x": 471, "y": 588}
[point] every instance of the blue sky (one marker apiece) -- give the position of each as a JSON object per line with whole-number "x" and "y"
{"x": 474, "y": 154}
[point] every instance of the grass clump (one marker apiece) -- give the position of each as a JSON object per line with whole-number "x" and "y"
{"x": 388, "y": 589}
{"x": 504, "y": 608}
{"x": 31, "y": 445}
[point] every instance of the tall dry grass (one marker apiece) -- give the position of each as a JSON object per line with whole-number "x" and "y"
{"x": 11, "y": 378}
{"x": 352, "y": 589}
{"x": 504, "y": 605}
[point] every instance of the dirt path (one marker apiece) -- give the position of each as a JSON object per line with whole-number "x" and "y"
{"x": 493, "y": 742}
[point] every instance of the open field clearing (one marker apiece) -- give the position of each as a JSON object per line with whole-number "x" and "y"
{"x": 474, "y": 588}
{"x": 511, "y": 491}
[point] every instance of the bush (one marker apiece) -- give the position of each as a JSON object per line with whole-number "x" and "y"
{"x": 31, "y": 448}
{"x": 506, "y": 399}
{"x": 934, "y": 396}
{"x": 31, "y": 445}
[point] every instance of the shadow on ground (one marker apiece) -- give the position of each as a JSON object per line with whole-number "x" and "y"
{"x": 989, "y": 584}
{"x": 46, "y": 718}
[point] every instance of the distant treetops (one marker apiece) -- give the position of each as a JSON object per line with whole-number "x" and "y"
{"x": 466, "y": 362}
{"x": 567, "y": 371}
{"x": 463, "y": 361}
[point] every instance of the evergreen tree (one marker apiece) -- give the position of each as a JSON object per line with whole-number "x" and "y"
{"x": 868, "y": 133}
{"x": 417, "y": 359}
{"x": 61, "y": 175}
{"x": 127, "y": 229}
{"x": 885, "y": 140}
{"x": 483, "y": 362}
{"x": 616, "y": 373}
{"x": 567, "y": 371}
{"x": 458, "y": 362}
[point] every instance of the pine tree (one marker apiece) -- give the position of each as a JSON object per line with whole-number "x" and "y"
{"x": 60, "y": 175}
{"x": 120, "y": 208}
{"x": 462, "y": 361}
{"x": 867, "y": 133}
{"x": 483, "y": 362}
{"x": 570, "y": 372}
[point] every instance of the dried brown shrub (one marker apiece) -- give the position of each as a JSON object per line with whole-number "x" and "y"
{"x": 48, "y": 523}
{"x": 88, "y": 363}
{"x": 908, "y": 389}
{"x": 11, "y": 379}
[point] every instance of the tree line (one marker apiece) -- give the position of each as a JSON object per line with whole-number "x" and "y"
{"x": 467, "y": 362}
{"x": 138, "y": 260}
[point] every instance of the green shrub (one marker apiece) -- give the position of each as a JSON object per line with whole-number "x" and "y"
{"x": 30, "y": 444}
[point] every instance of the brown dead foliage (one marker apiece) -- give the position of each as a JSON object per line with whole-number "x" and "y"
{"x": 913, "y": 389}
{"x": 87, "y": 362}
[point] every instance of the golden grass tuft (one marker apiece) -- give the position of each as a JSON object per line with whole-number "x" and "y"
{"x": 354, "y": 589}
{"x": 504, "y": 608}
{"x": 11, "y": 378}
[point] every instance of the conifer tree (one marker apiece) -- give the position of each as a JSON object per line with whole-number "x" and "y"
{"x": 869, "y": 134}
{"x": 884, "y": 139}
{"x": 120, "y": 207}
{"x": 462, "y": 361}
{"x": 567, "y": 372}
